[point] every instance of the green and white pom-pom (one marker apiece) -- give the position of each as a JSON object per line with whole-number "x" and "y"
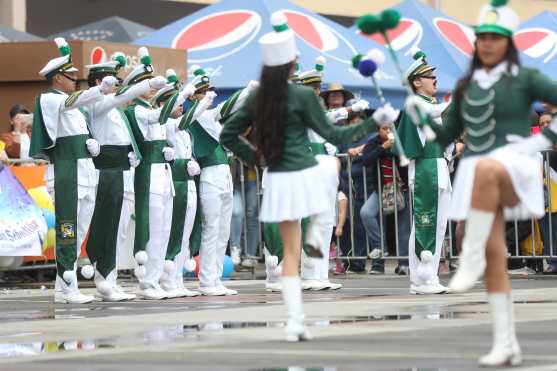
{"x": 390, "y": 18}
{"x": 120, "y": 58}
{"x": 63, "y": 46}
{"x": 498, "y": 3}
{"x": 376, "y": 56}
{"x": 279, "y": 22}
{"x": 356, "y": 60}
{"x": 197, "y": 70}
{"x": 141, "y": 257}
{"x": 171, "y": 77}
{"x": 368, "y": 24}
{"x": 416, "y": 53}
{"x": 144, "y": 57}
{"x": 320, "y": 63}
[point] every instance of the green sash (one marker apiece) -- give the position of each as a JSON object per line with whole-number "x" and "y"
{"x": 65, "y": 155}
{"x": 425, "y": 198}
{"x": 103, "y": 236}
{"x": 180, "y": 178}
{"x": 152, "y": 154}
{"x": 135, "y": 147}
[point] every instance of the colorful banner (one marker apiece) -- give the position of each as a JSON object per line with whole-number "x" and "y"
{"x": 22, "y": 225}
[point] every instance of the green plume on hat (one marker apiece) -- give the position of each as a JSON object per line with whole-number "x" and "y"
{"x": 171, "y": 77}
{"x": 144, "y": 57}
{"x": 279, "y": 22}
{"x": 417, "y": 53}
{"x": 498, "y": 3}
{"x": 320, "y": 63}
{"x": 120, "y": 58}
{"x": 198, "y": 71}
{"x": 63, "y": 46}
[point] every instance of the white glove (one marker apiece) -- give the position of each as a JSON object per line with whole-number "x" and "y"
{"x": 528, "y": 146}
{"x": 134, "y": 161}
{"x": 252, "y": 85}
{"x": 330, "y": 149}
{"x": 338, "y": 114}
{"x": 168, "y": 153}
{"x": 385, "y": 115}
{"x": 211, "y": 95}
{"x": 196, "y": 80}
{"x": 415, "y": 104}
{"x": 157, "y": 82}
{"x": 360, "y": 105}
{"x": 193, "y": 168}
{"x": 108, "y": 84}
{"x": 93, "y": 147}
{"x": 188, "y": 91}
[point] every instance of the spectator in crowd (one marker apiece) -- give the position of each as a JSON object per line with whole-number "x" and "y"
{"x": 244, "y": 208}
{"x": 18, "y": 140}
{"x": 336, "y": 96}
{"x": 377, "y": 149}
{"x": 352, "y": 180}
{"x": 550, "y": 221}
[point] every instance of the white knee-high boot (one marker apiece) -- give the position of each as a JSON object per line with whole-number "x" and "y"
{"x": 472, "y": 257}
{"x": 292, "y": 296}
{"x": 505, "y": 350}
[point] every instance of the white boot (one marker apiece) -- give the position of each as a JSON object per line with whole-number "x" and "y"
{"x": 272, "y": 271}
{"x": 472, "y": 257}
{"x": 505, "y": 350}
{"x": 292, "y": 296}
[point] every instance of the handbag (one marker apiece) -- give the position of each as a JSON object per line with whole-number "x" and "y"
{"x": 388, "y": 197}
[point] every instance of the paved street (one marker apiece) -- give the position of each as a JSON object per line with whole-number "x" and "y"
{"x": 371, "y": 324}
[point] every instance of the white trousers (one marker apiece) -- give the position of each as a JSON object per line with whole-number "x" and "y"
{"x": 126, "y": 232}
{"x": 85, "y": 207}
{"x": 444, "y": 200}
{"x": 160, "y": 216}
{"x": 177, "y": 280}
{"x": 216, "y": 205}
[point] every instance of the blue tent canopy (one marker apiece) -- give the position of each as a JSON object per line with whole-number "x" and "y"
{"x": 222, "y": 38}
{"x": 446, "y": 42}
{"x": 537, "y": 40}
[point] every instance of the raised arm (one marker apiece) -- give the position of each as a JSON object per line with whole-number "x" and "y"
{"x": 121, "y": 97}
{"x": 197, "y": 108}
{"x": 147, "y": 115}
{"x": 81, "y": 98}
{"x": 316, "y": 119}
{"x": 234, "y": 102}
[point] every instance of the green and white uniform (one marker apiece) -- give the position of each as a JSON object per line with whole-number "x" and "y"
{"x": 215, "y": 188}
{"x": 154, "y": 190}
{"x": 111, "y": 128}
{"x": 185, "y": 175}
{"x": 60, "y": 130}
{"x": 429, "y": 180}
{"x": 495, "y": 109}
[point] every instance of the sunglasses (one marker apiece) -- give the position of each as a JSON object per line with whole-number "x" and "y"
{"x": 69, "y": 77}
{"x": 428, "y": 77}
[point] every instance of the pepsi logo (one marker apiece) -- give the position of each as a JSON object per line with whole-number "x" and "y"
{"x": 320, "y": 36}
{"x": 408, "y": 33}
{"x": 537, "y": 43}
{"x": 458, "y": 35}
{"x": 218, "y": 35}
{"x": 98, "y": 55}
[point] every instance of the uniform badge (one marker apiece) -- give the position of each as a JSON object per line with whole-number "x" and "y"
{"x": 67, "y": 230}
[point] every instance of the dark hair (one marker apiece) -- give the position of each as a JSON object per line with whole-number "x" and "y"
{"x": 17, "y": 109}
{"x": 511, "y": 56}
{"x": 94, "y": 76}
{"x": 270, "y": 112}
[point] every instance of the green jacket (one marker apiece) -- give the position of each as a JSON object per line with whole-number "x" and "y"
{"x": 304, "y": 112}
{"x": 486, "y": 117}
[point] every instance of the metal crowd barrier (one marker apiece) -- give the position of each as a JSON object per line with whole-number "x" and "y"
{"x": 449, "y": 252}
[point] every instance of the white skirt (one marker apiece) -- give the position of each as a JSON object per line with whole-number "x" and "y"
{"x": 526, "y": 176}
{"x": 293, "y": 195}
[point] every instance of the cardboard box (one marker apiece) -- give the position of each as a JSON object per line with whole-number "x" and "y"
{"x": 20, "y": 81}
